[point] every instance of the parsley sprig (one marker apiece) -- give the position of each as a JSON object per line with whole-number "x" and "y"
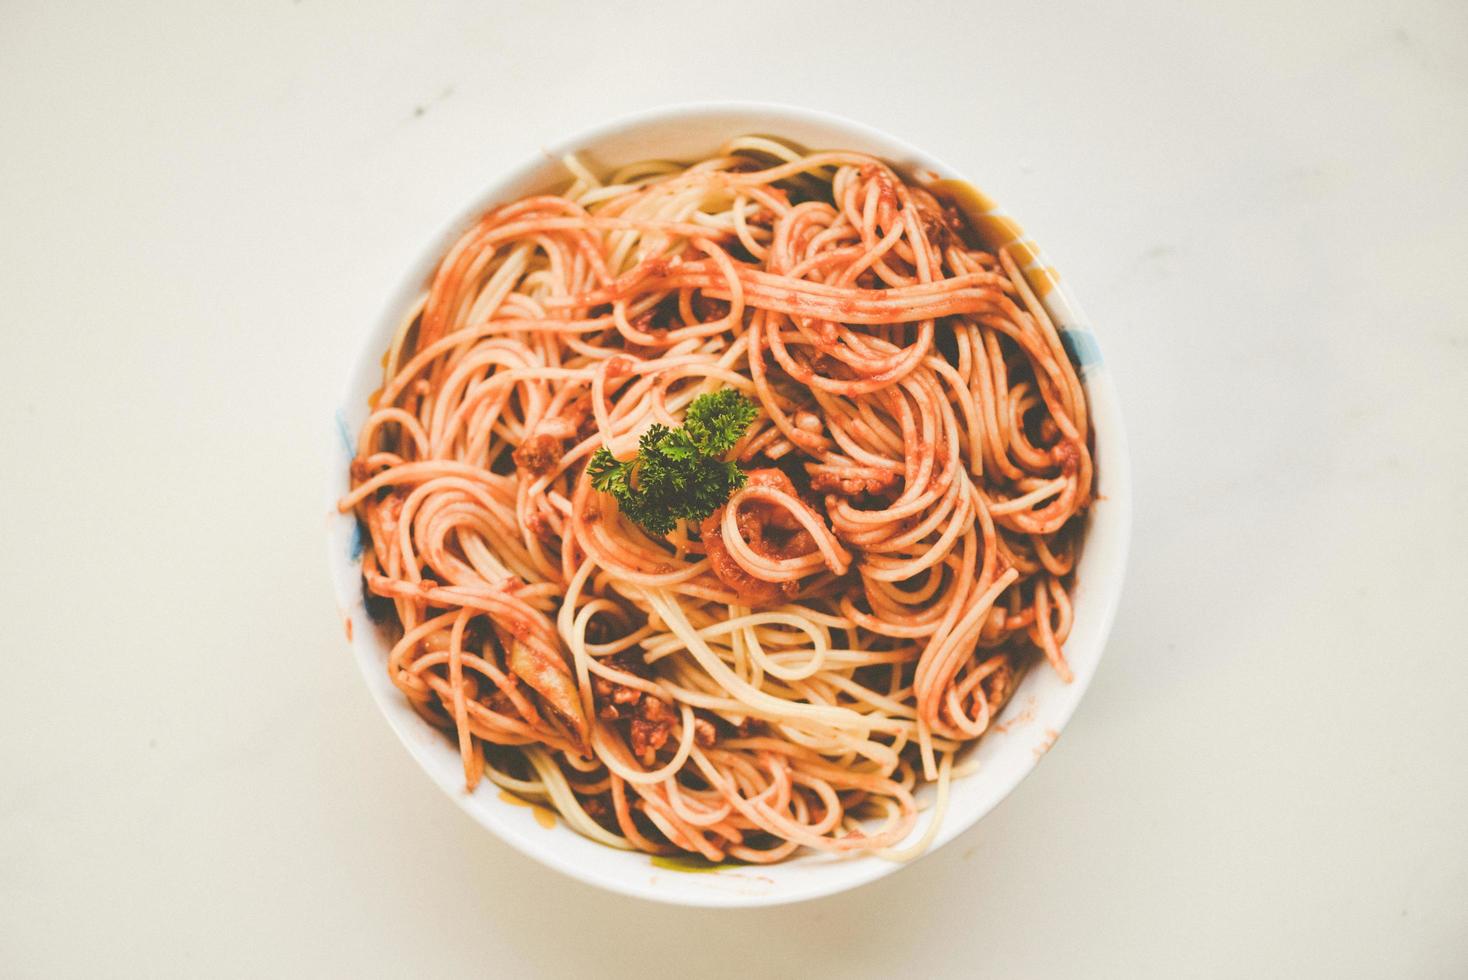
{"x": 679, "y": 473}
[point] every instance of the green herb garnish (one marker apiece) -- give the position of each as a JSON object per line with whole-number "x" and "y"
{"x": 679, "y": 473}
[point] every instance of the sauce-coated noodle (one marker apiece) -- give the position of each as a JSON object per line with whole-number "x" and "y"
{"x": 784, "y": 673}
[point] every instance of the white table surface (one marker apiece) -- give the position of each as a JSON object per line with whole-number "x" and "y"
{"x": 1263, "y": 207}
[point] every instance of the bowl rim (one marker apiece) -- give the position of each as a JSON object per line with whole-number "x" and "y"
{"x": 346, "y": 575}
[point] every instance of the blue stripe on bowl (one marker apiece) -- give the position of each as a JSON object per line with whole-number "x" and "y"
{"x": 349, "y": 451}
{"x": 349, "y": 445}
{"x": 1082, "y": 348}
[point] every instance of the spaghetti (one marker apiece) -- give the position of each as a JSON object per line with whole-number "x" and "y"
{"x": 783, "y": 673}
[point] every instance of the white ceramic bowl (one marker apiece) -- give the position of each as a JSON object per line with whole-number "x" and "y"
{"x": 1031, "y": 721}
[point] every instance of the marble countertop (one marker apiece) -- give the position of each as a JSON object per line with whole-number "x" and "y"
{"x": 1262, "y": 207}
